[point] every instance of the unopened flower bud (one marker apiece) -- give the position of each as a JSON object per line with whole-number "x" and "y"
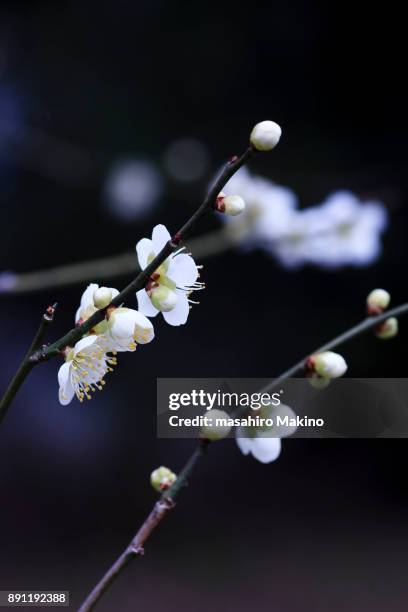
{"x": 387, "y": 329}
{"x": 328, "y": 364}
{"x": 377, "y": 301}
{"x": 163, "y": 298}
{"x": 265, "y": 135}
{"x": 215, "y": 428}
{"x": 232, "y": 205}
{"x": 162, "y": 478}
{"x": 102, "y": 297}
{"x": 317, "y": 382}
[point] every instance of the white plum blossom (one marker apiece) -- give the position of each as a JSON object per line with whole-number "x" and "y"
{"x": 262, "y": 447}
{"x": 264, "y": 443}
{"x": 176, "y": 279}
{"x": 341, "y": 231}
{"x": 127, "y": 328}
{"x": 85, "y": 367}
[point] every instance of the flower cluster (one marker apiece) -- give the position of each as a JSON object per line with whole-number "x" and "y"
{"x": 378, "y": 301}
{"x": 341, "y": 231}
{"x": 92, "y": 357}
{"x": 122, "y": 329}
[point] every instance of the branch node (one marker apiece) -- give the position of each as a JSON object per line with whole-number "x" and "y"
{"x": 50, "y": 312}
{"x": 176, "y": 239}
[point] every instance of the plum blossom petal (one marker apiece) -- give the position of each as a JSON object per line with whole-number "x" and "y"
{"x": 262, "y": 447}
{"x": 160, "y": 237}
{"x": 144, "y": 248}
{"x": 145, "y": 305}
{"x": 179, "y": 314}
{"x": 66, "y": 389}
{"x": 127, "y": 328}
{"x": 183, "y": 270}
{"x": 266, "y": 449}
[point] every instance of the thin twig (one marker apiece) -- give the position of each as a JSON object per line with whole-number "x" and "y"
{"x": 26, "y": 365}
{"x": 167, "y": 500}
{"x": 104, "y": 268}
{"x": 136, "y": 546}
{"x": 360, "y": 328}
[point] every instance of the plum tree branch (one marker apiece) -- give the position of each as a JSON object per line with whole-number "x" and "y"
{"x": 44, "y": 353}
{"x": 26, "y": 365}
{"x": 167, "y": 501}
{"x": 136, "y": 547}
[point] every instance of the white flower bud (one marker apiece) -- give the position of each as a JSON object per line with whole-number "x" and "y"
{"x": 377, "y": 301}
{"x": 233, "y": 205}
{"x": 265, "y": 135}
{"x": 102, "y": 297}
{"x": 329, "y": 364}
{"x": 388, "y": 329}
{"x": 162, "y": 478}
{"x": 215, "y": 429}
{"x": 163, "y": 298}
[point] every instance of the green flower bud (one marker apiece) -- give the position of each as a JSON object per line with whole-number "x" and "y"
{"x": 329, "y": 364}
{"x": 215, "y": 429}
{"x": 102, "y": 297}
{"x": 388, "y": 329}
{"x": 162, "y": 478}
{"x": 377, "y": 301}
{"x": 163, "y": 298}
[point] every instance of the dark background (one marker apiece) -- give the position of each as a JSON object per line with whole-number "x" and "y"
{"x": 326, "y": 525}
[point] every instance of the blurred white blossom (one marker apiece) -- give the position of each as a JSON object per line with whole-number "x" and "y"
{"x": 133, "y": 187}
{"x": 268, "y": 213}
{"x": 186, "y": 160}
{"x": 340, "y": 231}
{"x": 264, "y": 443}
